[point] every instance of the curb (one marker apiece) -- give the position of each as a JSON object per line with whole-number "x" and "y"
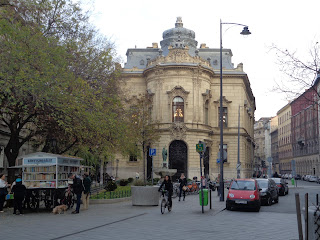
{"x": 109, "y": 201}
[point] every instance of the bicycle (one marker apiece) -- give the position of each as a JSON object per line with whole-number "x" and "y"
{"x": 164, "y": 202}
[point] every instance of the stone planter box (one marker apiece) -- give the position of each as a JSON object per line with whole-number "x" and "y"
{"x": 145, "y": 195}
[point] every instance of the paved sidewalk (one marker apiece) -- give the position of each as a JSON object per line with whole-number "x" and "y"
{"x": 124, "y": 221}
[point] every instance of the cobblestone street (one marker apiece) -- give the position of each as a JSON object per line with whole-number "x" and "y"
{"x": 124, "y": 221}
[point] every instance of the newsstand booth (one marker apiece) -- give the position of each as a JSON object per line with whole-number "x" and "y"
{"x": 45, "y": 176}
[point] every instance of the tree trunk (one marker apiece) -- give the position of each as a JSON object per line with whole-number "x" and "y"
{"x": 144, "y": 164}
{"x": 101, "y": 172}
{"x": 12, "y": 151}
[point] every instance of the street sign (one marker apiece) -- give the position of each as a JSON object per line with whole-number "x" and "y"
{"x": 218, "y": 160}
{"x": 199, "y": 147}
{"x": 152, "y": 152}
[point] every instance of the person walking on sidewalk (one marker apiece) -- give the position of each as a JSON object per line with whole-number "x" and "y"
{"x": 77, "y": 189}
{"x": 169, "y": 187}
{"x": 19, "y": 192}
{"x": 3, "y": 190}
{"x": 183, "y": 185}
{"x": 86, "y": 191}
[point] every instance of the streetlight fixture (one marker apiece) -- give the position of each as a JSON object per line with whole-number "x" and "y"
{"x": 245, "y": 31}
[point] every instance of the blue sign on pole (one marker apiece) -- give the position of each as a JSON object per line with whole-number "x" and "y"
{"x": 218, "y": 160}
{"x": 152, "y": 151}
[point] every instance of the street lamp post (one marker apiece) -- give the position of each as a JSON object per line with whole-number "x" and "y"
{"x": 245, "y": 31}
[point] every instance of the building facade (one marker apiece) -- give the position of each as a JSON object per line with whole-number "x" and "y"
{"x": 274, "y": 144}
{"x": 262, "y": 145}
{"x": 285, "y": 139}
{"x": 305, "y": 133}
{"x": 183, "y": 82}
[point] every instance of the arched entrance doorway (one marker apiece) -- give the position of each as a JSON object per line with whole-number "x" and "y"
{"x": 178, "y": 158}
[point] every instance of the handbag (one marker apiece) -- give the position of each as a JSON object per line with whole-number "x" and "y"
{"x": 9, "y": 197}
{"x": 184, "y": 188}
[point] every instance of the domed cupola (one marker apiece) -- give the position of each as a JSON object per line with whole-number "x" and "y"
{"x": 179, "y": 37}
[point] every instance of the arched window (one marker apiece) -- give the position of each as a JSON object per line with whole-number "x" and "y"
{"x": 206, "y": 112}
{"x": 178, "y": 109}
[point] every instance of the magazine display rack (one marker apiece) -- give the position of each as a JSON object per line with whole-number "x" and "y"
{"x": 45, "y": 176}
{"x": 45, "y": 170}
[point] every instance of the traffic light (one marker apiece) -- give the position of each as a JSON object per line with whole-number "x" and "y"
{"x": 263, "y": 163}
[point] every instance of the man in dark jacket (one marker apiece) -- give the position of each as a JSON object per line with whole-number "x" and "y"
{"x": 86, "y": 191}
{"x": 77, "y": 189}
{"x": 19, "y": 192}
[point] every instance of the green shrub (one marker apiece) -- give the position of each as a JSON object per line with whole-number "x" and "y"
{"x": 138, "y": 183}
{"x": 111, "y": 186}
{"x": 156, "y": 180}
{"x": 123, "y": 182}
{"x": 130, "y": 180}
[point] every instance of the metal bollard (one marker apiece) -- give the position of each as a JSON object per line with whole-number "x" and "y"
{"x": 210, "y": 200}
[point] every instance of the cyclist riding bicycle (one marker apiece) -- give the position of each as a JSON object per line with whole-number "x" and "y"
{"x": 167, "y": 186}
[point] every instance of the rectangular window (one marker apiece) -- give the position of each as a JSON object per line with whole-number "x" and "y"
{"x": 225, "y": 149}
{"x": 133, "y": 158}
{"x": 224, "y": 116}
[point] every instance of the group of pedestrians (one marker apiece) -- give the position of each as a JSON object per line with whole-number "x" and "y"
{"x": 168, "y": 186}
{"x": 81, "y": 188}
{"x": 17, "y": 189}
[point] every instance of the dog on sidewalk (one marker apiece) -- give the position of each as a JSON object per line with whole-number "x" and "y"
{"x": 59, "y": 209}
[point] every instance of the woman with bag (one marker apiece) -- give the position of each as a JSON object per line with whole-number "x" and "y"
{"x": 183, "y": 186}
{"x": 3, "y": 191}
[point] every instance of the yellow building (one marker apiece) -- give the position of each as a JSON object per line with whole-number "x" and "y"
{"x": 285, "y": 139}
{"x": 183, "y": 83}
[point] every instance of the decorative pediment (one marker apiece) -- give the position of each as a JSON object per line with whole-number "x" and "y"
{"x": 224, "y": 100}
{"x": 178, "y": 91}
{"x": 178, "y": 131}
{"x": 178, "y": 55}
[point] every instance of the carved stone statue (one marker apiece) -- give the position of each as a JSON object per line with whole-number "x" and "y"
{"x": 164, "y": 154}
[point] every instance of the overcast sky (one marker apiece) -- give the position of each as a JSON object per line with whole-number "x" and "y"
{"x": 292, "y": 25}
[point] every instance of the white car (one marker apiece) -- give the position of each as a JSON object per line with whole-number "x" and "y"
{"x": 312, "y": 179}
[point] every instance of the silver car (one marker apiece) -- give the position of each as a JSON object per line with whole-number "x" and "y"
{"x": 313, "y": 179}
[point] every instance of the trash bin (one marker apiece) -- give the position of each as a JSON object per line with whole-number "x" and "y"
{"x": 205, "y": 197}
{"x": 292, "y": 181}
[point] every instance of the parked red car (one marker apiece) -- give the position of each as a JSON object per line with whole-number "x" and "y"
{"x": 244, "y": 193}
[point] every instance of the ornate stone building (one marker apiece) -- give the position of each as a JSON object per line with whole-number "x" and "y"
{"x": 183, "y": 83}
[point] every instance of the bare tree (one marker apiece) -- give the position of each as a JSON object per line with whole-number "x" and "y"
{"x": 301, "y": 74}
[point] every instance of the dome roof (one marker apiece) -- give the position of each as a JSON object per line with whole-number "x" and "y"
{"x": 178, "y": 31}
{"x": 179, "y": 37}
